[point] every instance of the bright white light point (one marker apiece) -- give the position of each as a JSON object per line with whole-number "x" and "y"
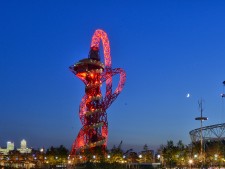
{"x": 188, "y": 95}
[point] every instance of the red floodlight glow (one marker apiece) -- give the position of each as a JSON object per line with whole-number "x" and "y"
{"x": 92, "y": 110}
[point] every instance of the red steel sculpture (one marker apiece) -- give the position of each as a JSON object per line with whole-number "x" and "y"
{"x": 93, "y": 106}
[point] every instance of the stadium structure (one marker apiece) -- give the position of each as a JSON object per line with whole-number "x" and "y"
{"x": 209, "y": 133}
{"x": 214, "y": 132}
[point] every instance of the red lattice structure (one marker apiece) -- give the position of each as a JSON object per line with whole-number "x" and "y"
{"x": 93, "y": 105}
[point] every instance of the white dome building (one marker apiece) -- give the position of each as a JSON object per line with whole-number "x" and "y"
{"x": 23, "y": 147}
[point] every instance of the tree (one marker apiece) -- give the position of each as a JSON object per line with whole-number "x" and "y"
{"x": 181, "y": 154}
{"x": 214, "y": 153}
{"x": 116, "y": 154}
{"x": 169, "y": 152}
{"x": 175, "y": 155}
{"x": 57, "y": 154}
{"x": 132, "y": 157}
{"x": 147, "y": 155}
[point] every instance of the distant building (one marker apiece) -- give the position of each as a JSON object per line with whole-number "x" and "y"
{"x": 23, "y": 147}
{"x": 10, "y": 147}
{"x": 23, "y": 144}
{"x": 4, "y": 151}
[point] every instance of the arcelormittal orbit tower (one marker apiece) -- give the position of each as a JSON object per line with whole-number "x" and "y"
{"x": 93, "y": 72}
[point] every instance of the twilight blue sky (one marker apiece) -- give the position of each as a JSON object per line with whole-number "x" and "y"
{"x": 168, "y": 49}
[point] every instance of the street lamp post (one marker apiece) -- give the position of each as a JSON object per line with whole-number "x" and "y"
{"x": 190, "y": 163}
{"x": 216, "y": 158}
{"x": 201, "y": 119}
